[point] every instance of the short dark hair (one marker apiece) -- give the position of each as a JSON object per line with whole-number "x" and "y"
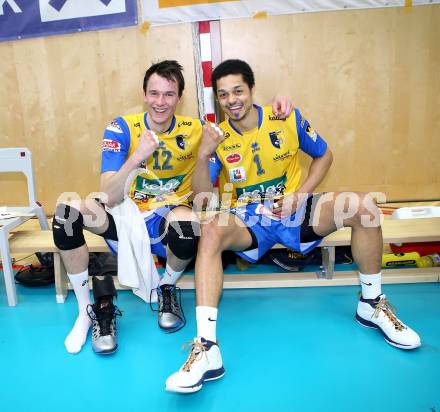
{"x": 170, "y": 70}
{"x": 233, "y": 66}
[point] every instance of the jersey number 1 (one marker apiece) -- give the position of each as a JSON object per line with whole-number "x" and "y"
{"x": 260, "y": 170}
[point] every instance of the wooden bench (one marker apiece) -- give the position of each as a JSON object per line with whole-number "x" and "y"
{"x": 394, "y": 231}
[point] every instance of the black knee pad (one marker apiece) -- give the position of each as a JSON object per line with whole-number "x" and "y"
{"x": 182, "y": 240}
{"x": 67, "y": 228}
{"x": 103, "y": 287}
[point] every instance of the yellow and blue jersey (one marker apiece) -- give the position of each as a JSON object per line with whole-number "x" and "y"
{"x": 165, "y": 178}
{"x": 263, "y": 163}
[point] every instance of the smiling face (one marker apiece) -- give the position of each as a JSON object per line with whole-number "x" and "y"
{"x": 161, "y": 96}
{"x": 235, "y": 96}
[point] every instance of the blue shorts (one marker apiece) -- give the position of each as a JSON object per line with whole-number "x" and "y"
{"x": 154, "y": 223}
{"x": 269, "y": 230}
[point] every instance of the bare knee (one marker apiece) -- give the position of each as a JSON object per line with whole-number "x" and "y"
{"x": 366, "y": 213}
{"x": 212, "y": 237}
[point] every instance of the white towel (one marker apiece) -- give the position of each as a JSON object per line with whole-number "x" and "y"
{"x": 136, "y": 267}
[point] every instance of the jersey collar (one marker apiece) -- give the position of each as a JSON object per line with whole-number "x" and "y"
{"x": 260, "y": 120}
{"x": 170, "y": 129}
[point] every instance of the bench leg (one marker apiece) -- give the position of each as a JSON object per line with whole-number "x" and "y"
{"x": 39, "y": 212}
{"x": 328, "y": 262}
{"x": 8, "y": 273}
{"x": 61, "y": 280}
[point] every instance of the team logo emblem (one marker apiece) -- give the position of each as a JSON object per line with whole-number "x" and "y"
{"x": 237, "y": 175}
{"x": 276, "y": 138}
{"x": 233, "y": 158}
{"x": 181, "y": 141}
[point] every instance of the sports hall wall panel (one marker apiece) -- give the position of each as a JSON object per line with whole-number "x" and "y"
{"x": 58, "y": 94}
{"x": 367, "y": 80}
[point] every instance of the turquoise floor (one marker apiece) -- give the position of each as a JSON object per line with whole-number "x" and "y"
{"x": 284, "y": 349}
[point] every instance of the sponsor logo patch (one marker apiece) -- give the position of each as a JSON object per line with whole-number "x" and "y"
{"x": 111, "y": 146}
{"x": 312, "y": 134}
{"x": 282, "y": 156}
{"x": 233, "y": 158}
{"x": 276, "y": 118}
{"x": 188, "y": 156}
{"x": 237, "y": 175}
{"x": 114, "y": 127}
{"x": 263, "y": 210}
{"x": 151, "y": 188}
{"x": 184, "y": 123}
{"x": 235, "y": 146}
{"x": 267, "y": 190}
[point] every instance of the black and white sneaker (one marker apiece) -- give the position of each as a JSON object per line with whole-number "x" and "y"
{"x": 103, "y": 314}
{"x": 170, "y": 313}
{"x": 378, "y": 314}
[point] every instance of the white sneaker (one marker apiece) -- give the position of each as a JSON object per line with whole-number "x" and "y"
{"x": 204, "y": 363}
{"x": 378, "y": 314}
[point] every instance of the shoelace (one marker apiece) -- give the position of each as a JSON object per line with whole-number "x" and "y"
{"x": 104, "y": 317}
{"x": 198, "y": 349}
{"x": 387, "y": 308}
{"x": 169, "y": 302}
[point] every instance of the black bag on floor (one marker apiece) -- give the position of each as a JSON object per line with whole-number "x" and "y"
{"x": 295, "y": 261}
{"x": 100, "y": 264}
{"x": 35, "y": 276}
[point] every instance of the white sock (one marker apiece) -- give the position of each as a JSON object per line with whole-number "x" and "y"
{"x": 78, "y": 335}
{"x": 170, "y": 276}
{"x": 206, "y": 317}
{"x": 371, "y": 285}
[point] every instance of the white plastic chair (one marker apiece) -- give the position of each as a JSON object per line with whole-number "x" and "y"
{"x": 17, "y": 160}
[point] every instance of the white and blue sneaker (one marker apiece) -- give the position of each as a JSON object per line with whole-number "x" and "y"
{"x": 378, "y": 314}
{"x": 204, "y": 364}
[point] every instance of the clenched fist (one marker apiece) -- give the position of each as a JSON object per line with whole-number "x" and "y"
{"x": 212, "y": 136}
{"x": 148, "y": 143}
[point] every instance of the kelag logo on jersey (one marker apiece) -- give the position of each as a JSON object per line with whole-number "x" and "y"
{"x": 181, "y": 141}
{"x": 265, "y": 190}
{"x": 276, "y": 138}
{"x": 158, "y": 187}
